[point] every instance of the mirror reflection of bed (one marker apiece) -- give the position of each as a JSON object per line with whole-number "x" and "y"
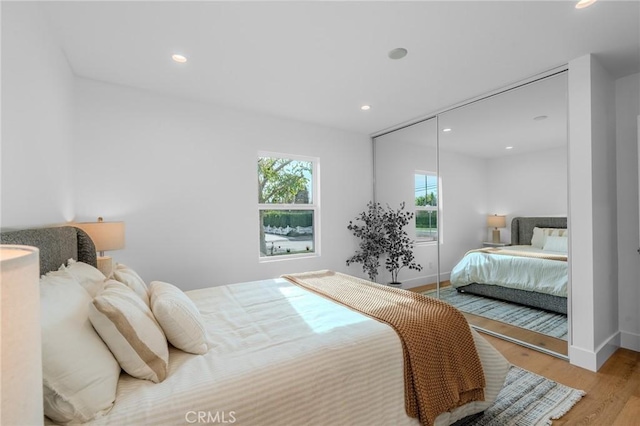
{"x": 515, "y": 150}
{"x": 523, "y": 284}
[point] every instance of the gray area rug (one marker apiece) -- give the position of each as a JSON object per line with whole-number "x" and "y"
{"x": 549, "y": 323}
{"x": 527, "y": 399}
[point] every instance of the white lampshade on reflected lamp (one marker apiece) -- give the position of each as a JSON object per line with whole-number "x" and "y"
{"x": 496, "y": 222}
{"x": 106, "y": 236}
{"x": 20, "y": 341}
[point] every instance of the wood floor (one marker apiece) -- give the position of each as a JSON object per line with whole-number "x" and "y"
{"x": 613, "y": 393}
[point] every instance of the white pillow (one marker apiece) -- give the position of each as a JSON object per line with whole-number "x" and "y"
{"x": 540, "y": 235}
{"x": 128, "y": 327}
{"x": 90, "y": 278}
{"x": 80, "y": 375}
{"x": 555, "y": 243}
{"x": 131, "y": 279}
{"x": 179, "y": 318}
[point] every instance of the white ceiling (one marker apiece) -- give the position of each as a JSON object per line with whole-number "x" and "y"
{"x": 319, "y": 62}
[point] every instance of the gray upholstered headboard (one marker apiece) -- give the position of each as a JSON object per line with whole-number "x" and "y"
{"x": 57, "y": 245}
{"x": 522, "y": 227}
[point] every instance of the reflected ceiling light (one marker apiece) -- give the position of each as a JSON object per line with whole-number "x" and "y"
{"x": 508, "y": 147}
{"x": 540, "y": 118}
{"x": 179, "y": 58}
{"x": 365, "y": 107}
{"x": 446, "y": 130}
{"x": 585, "y": 3}
{"x": 398, "y": 53}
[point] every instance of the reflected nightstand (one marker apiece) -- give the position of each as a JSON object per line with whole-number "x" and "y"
{"x": 490, "y": 244}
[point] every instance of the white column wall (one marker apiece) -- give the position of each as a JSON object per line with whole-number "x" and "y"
{"x": 627, "y": 112}
{"x": 592, "y": 215}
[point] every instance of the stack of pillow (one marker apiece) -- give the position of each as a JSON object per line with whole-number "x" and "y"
{"x": 551, "y": 239}
{"x": 94, "y": 326}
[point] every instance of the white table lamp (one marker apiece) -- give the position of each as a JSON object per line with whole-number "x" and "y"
{"x": 496, "y": 222}
{"x": 21, "y": 338}
{"x": 106, "y": 236}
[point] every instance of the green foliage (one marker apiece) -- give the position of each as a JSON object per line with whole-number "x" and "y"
{"x": 382, "y": 233}
{"x": 284, "y": 218}
{"x": 282, "y": 181}
{"x": 428, "y": 200}
{"x": 428, "y": 219}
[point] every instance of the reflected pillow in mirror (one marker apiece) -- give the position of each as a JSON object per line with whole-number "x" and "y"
{"x": 557, "y": 244}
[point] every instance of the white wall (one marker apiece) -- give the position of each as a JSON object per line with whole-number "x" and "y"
{"x": 464, "y": 207}
{"x": 182, "y": 175}
{"x": 592, "y": 213}
{"x": 627, "y": 111}
{"x": 36, "y": 121}
{"x": 531, "y": 184}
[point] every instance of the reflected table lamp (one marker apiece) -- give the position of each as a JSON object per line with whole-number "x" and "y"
{"x": 106, "y": 236}
{"x": 496, "y": 222}
{"x": 21, "y": 341}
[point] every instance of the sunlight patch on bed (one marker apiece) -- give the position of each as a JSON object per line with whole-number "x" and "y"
{"x": 321, "y": 315}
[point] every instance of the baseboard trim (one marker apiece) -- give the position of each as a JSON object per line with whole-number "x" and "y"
{"x": 593, "y": 360}
{"x": 630, "y": 341}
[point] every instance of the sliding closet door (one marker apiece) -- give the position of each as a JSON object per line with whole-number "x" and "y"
{"x": 406, "y": 172}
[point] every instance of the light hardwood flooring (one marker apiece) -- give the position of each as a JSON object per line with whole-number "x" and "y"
{"x": 613, "y": 393}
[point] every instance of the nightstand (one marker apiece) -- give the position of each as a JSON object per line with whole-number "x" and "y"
{"x": 490, "y": 244}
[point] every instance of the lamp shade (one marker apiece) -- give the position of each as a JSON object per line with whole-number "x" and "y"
{"x": 21, "y": 341}
{"x": 496, "y": 221}
{"x": 105, "y": 235}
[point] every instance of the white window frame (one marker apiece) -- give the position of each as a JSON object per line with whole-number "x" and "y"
{"x": 314, "y": 206}
{"x": 435, "y": 208}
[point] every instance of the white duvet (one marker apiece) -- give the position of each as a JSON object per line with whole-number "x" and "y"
{"x": 523, "y": 273}
{"x": 284, "y": 356}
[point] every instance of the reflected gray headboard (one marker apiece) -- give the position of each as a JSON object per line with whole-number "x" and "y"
{"x": 522, "y": 227}
{"x": 57, "y": 245}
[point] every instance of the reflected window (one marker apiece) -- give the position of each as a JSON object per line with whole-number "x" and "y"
{"x": 287, "y": 205}
{"x": 426, "y": 206}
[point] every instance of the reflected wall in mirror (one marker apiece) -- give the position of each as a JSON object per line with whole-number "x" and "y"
{"x": 406, "y": 172}
{"x": 506, "y": 155}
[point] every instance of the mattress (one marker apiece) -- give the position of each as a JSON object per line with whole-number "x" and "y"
{"x": 517, "y": 272}
{"x": 282, "y": 355}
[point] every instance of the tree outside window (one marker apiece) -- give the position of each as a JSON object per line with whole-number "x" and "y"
{"x": 287, "y": 205}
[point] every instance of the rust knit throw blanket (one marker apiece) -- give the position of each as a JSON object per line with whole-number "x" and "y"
{"x": 441, "y": 364}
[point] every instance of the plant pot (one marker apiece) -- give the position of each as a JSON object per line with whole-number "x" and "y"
{"x": 395, "y": 285}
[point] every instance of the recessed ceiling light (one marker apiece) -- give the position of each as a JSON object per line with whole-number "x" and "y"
{"x": 585, "y": 3}
{"x": 398, "y": 53}
{"x": 446, "y": 130}
{"x": 365, "y": 107}
{"x": 508, "y": 147}
{"x": 540, "y": 118}
{"x": 179, "y": 58}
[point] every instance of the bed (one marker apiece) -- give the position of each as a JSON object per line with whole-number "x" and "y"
{"x": 532, "y": 275}
{"x": 278, "y": 354}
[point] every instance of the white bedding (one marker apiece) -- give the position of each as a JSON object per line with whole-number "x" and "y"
{"x": 284, "y": 356}
{"x": 523, "y": 273}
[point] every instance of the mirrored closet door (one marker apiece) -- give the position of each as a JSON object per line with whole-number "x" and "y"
{"x": 503, "y": 167}
{"x": 472, "y": 175}
{"x": 405, "y": 167}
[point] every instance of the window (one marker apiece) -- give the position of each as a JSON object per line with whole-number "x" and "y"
{"x": 288, "y": 205}
{"x": 426, "y": 206}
